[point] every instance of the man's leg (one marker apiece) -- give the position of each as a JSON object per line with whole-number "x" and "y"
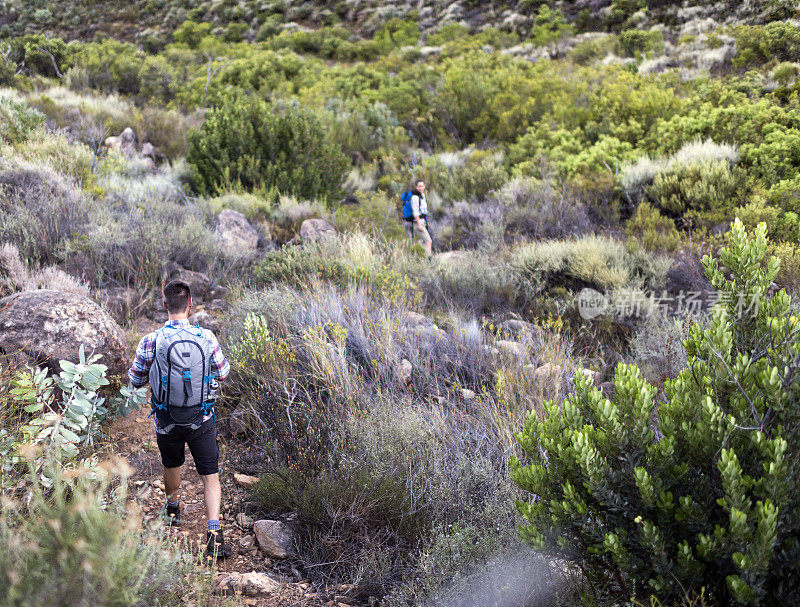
{"x": 203, "y": 446}
{"x": 172, "y": 483}
{"x": 212, "y": 493}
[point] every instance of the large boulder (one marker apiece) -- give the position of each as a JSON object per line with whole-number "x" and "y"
{"x": 316, "y": 229}
{"x": 48, "y": 326}
{"x": 199, "y": 283}
{"x": 234, "y": 234}
{"x": 275, "y": 538}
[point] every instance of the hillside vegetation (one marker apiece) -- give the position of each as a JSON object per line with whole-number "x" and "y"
{"x": 407, "y": 415}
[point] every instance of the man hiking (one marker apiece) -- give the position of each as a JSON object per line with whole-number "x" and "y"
{"x": 415, "y": 211}
{"x": 182, "y": 363}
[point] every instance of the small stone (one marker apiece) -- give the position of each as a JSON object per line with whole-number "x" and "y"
{"x": 275, "y": 538}
{"x": 547, "y": 371}
{"x": 592, "y": 375}
{"x": 247, "y": 541}
{"x": 243, "y": 480}
{"x": 467, "y": 394}
{"x": 244, "y": 521}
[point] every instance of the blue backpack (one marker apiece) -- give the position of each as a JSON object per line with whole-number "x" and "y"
{"x": 408, "y": 215}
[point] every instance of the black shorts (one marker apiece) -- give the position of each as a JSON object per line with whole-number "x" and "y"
{"x": 202, "y": 445}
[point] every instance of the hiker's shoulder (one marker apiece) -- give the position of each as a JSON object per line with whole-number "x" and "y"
{"x": 209, "y": 334}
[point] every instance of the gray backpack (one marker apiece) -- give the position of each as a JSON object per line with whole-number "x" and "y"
{"x": 180, "y": 376}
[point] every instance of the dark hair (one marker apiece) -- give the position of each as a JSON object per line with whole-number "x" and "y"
{"x": 417, "y": 182}
{"x": 177, "y": 294}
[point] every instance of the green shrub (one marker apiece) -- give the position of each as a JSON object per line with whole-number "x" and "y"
{"x": 757, "y": 44}
{"x": 18, "y": 122}
{"x": 696, "y": 190}
{"x": 700, "y": 499}
{"x": 251, "y": 144}
{"x": 191, "y": 34}
{"x": 549, "y": 25}
{"x": 636, "y": 42}
{"x": 782, "y": 226}
{"x": 656, "y": 232}
{"x": 295, "y": 266}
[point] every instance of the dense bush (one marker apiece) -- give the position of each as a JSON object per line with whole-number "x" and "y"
{"x": 706, "y": 190}
{"x": 90, "y": 537}
{"x": 18, "y": 122}
{"x": 696, "y": 494}
{"x": 251, "y": 144}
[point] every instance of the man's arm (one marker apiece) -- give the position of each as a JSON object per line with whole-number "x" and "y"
{"x": 220, "y": 367}
{"x": 139, "y": 372}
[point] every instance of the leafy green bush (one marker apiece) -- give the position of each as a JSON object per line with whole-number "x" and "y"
{"x": 693, "y": 494}
{"x": 697, "y": 190}
{"x": 295, "y": 266}
{"x": 250, "y": 144}
{"x": 549, "y": 25}
{"x": 656, "y": 232}
{"x": 757, "y": 44}
{"x": 18, "y": 122}
{"x": 636, "y": 42}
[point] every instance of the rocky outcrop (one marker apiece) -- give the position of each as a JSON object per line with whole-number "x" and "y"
{"x": 234, "y": 234}
{"x": 275, "y": 538}
{"x": 312, "y": 230}
{"x": 48, "y": 326}
{"x": 125, "y": 143}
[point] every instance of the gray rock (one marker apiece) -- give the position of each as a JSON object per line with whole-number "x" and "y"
{"x": 316, "y": 229}
{"x": 247, "y": 541}
{"x": 250, "y": 584}
{"x": 219, "y": 292}
{"x": 244, "y": 521}
{"x": 198, "y": 282}
{"x": 467, "y": 394}
{"x": 240, "y": 420}
{"x": 234, "y": 234}
{"x": 548, "y": 371}
{"x": 514, "y": 348}
{"x": 218, "y": 305}
{"x": 49, "y": 326}
{"x": 275, "y": 538}
{"x": 205, "y": 320}
{"x": 453, "y": 257}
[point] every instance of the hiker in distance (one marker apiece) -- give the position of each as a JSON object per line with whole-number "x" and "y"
{"x": 183, "y": 364}
{"x": 415, "y": 211}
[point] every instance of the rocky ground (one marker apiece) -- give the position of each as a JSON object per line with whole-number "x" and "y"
{"x": 250, "y": 576}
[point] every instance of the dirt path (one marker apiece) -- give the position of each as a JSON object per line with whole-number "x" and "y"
{"x": 133, "y": 437}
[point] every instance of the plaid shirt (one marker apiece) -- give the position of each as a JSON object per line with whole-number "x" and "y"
{"x": 139, "y": 373}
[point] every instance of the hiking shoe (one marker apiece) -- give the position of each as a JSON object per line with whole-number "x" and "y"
{"x": 216, "y": 546}
{"x": 172, "y": 517}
